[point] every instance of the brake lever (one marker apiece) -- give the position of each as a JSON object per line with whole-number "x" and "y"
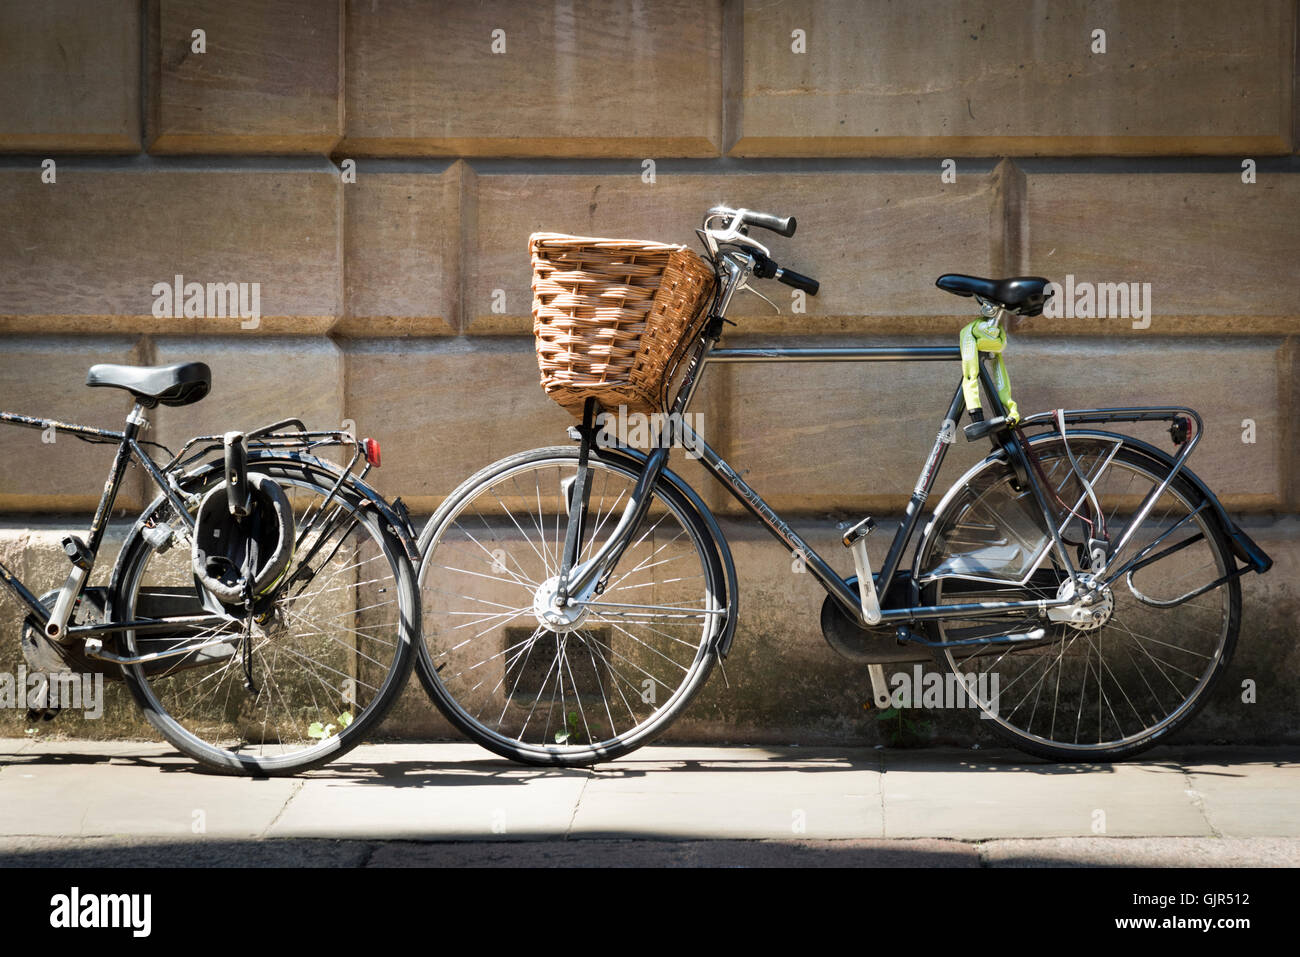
{"x": 731, "y": 235}
{"x": 748, "y": 288}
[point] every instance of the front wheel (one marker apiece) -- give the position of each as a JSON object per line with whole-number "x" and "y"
{"x": 313, "y": 674}
{"x": 1137, "y": 661}
{"x": 600, "y": 678}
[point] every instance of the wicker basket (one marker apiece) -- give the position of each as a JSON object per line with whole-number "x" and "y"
{"x": 611, "y": 317}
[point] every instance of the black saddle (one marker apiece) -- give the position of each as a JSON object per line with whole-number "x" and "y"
{"x": 178, "y": 384}
{"x": 1023, "y": 295}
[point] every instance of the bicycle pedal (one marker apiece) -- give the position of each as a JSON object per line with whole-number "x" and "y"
{"x": 38, "y": 697}
{"x": 77, "y": 551}
{"x": 159, "y": 536}
{"x": 979, "y": 430}
{"x": 860, "y": 530}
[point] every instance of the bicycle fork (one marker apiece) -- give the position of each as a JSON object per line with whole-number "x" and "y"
{"x": 577, "y": 581}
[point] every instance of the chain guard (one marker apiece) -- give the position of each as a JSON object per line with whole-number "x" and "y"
{"x": 46, "y": 657}
{"x": 53, "y": 657}
{"x": 871, "y": 646}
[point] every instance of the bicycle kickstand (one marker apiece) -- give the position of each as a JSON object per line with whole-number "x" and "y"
{"x": 855, "y": 539}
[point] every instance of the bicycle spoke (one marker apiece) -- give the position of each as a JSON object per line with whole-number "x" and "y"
{"x": 323, "y": 651}
{"x": 1108, "y": 685}
{"x": 563, "y": 688}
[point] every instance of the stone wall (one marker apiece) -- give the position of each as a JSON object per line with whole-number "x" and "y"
{"x": 909, "y": 139}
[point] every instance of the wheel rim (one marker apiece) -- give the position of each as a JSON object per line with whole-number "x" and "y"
{"x": 1085, "y": 687}
{"x": 322, "y": 660}
{"x": 562, "y": 687}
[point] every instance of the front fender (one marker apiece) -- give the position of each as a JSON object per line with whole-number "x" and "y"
{"x": 636, "y": 459}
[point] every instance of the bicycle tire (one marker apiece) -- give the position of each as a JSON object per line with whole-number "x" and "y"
{"x": 378, "y": 694}
{"x": 438, "y": 608}
{"x": 1183, "y": 492}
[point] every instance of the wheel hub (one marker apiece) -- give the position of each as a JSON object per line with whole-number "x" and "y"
{"x": 553, "y": 616}
{"x": 1089, "y": 610}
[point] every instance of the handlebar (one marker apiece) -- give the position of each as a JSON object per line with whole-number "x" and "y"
{"x": 780, "y": 226}
{"x": 727, "y": 227}
{"x": 737, "y": 221}
{"x": 766, "y": 268}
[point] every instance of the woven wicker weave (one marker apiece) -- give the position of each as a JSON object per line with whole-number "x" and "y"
{"x": 610, "y": 314}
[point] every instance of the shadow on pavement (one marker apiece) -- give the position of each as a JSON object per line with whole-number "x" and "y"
{"x": 646, "y": 850}
{"x": 488, "y": 769}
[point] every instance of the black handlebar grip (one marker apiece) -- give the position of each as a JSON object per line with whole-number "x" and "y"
{"x": 798, "y": 281}
{"x": 783, "y": 227}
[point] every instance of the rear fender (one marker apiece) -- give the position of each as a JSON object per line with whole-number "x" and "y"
{"x": 1243, "y": 547}
{"x": 326, "y": 472}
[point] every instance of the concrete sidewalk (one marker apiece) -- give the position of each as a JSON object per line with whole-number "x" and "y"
{"x": 73, "y": 802}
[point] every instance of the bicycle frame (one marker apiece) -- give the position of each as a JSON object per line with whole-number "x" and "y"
{"x": 845, "y": 593}
{"x": 54, "y": 621}
{"x": 127, "y": 449}
{"x": 588, "y": 576}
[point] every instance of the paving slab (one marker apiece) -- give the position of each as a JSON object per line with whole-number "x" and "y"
{"x": 432, "y": 792}
{"x": 751, "y": 793}
{"x": 14, "y": 751}
{"x": 752, "y": 815}
{"x": 66, "y": 800}
{"x": 1141, "y": 852}
{"x": 950, "y": 794}
{"x": 154, "y": 852}
{"x": 101, "y": 788}
{"x": 714, "y": 770}
{"x": 1248, "y": 799}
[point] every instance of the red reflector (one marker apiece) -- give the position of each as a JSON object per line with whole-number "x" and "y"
{"x": 371, "y": 449}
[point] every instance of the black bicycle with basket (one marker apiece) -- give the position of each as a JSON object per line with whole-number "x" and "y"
{"x": 1082, "y": 584}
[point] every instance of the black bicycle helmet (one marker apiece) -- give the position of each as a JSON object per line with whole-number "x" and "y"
{"x": 237, "y": 558}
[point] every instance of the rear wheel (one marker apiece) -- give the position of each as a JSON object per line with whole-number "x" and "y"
{"x": 588, "y": 683}
{"x": 319, "y": 668}
{"x": 1138, "y": 661}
